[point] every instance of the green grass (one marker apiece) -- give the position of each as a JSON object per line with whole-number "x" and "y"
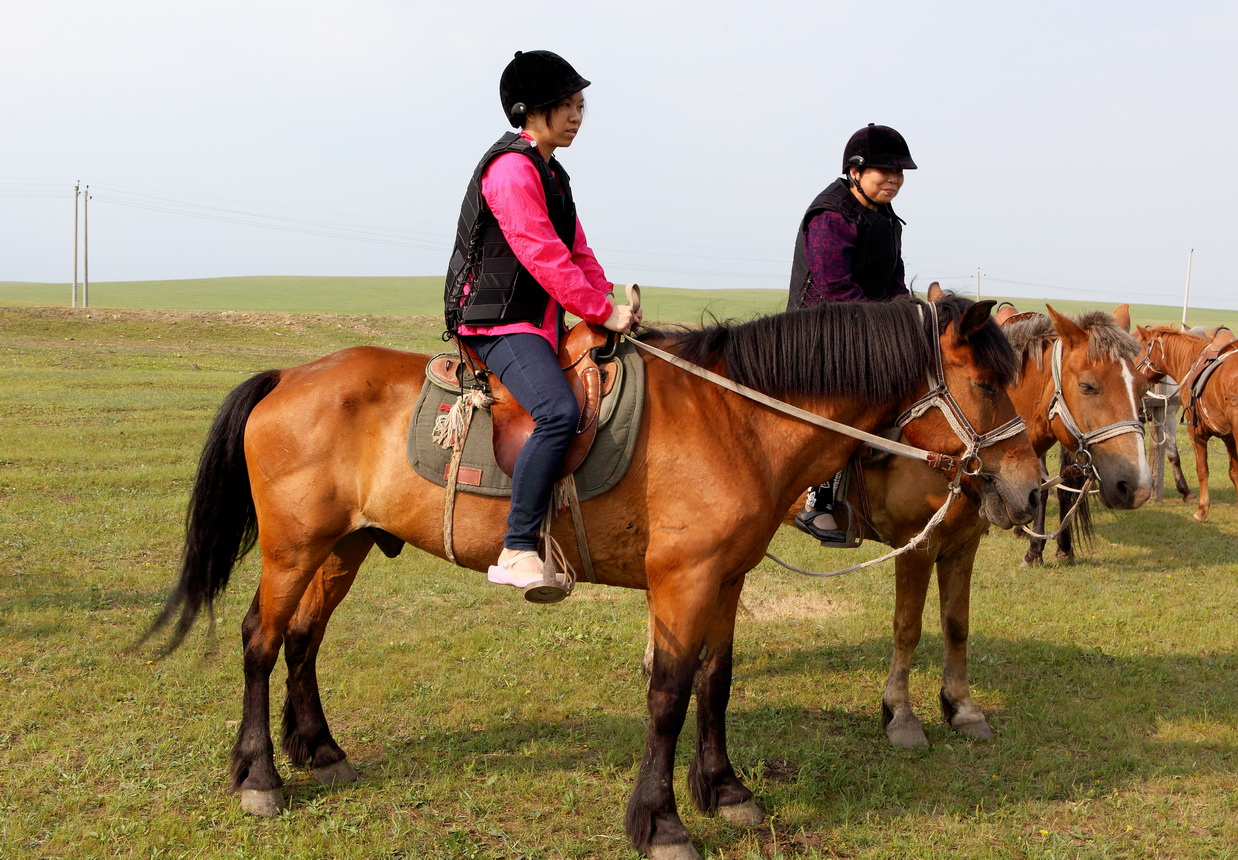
{"x": 484, "y": 727}
{"x": 423, "y": 296}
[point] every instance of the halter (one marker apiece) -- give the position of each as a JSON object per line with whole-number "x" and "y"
{"x": 939, "y": 396}
{"x": 1147, "y": 361}
{"x": 1059, "y": 409}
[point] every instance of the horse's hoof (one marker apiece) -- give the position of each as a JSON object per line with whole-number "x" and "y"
{"x": 977, "y": 730}
{"x": 747, "y": 813}
{"x": 678, "y": 851}
{"x": 341, "y": 771}
{"x": 1032, "y": 561}
{"x": 264, "y": 804}
{"x": 1199, "y": 518}
{"x": 906, "y": 732}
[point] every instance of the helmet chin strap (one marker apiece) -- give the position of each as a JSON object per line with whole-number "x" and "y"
{"x": 854, "y": 182}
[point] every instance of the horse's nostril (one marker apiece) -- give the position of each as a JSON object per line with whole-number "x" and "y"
{"x": 1033, "y": 499}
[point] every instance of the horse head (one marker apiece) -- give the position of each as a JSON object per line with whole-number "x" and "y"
{"x": 1095, "y": 407}
{"x": 1002, "y": 472}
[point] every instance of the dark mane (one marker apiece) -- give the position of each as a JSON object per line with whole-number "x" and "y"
{"x": 878, "y": 352}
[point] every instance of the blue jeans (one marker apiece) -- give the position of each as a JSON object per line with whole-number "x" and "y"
{"x": 527, "y": 365}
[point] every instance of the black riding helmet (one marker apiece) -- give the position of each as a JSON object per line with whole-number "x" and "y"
{"x": 536, "y": 79}
{"x": 877, "y": 146}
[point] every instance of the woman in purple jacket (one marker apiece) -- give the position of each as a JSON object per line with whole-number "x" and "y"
{"x": 849, "y": 249}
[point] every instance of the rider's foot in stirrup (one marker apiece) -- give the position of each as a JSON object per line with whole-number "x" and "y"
{"x": 820, "y": 525}
{"x": 524, "y": 569}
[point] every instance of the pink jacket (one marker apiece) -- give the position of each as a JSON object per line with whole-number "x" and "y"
{"x": 573, "y": 278}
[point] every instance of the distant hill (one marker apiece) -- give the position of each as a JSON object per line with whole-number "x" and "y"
{"x": 422, "y": 296}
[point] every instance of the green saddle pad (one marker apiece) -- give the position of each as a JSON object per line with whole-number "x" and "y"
{"x": 608, "y": 459}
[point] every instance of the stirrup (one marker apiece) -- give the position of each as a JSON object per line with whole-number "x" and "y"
{"x": 827, "y": 537}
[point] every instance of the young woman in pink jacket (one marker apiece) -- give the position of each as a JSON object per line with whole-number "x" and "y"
{"x": 520, "y": 261}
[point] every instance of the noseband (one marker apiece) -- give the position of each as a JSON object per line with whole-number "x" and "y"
{"x": 939, "y": 396}
{"x": 1059, "y": 409}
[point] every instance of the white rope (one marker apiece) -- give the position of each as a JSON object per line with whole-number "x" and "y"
{"x": 911, "y": 545}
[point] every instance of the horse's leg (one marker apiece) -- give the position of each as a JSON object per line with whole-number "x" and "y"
{"x": 284, "y": 579}
{"x": 678, "y": 626}
{"x": 1232, "y": 449}
{"x": 307, "y": 739}
{"x": 954, "y": 588}
{"x": 912, "y": 572}
{"x": 1175, "y": 461}
{"x": 1201, "y": 472}
{"x": 1065, "y": 503}
{"x": 1036, "y": 546}
{"x": 711, "y": 778}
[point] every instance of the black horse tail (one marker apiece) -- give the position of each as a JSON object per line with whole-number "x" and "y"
{"x": 221, "y": 525}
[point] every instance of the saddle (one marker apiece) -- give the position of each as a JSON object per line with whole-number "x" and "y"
{"x": 587, "y": 356}
{"x": 1007, "y": 314}
{"x": 1222, "y": 346}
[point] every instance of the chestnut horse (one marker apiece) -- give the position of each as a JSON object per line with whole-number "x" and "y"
{"x": 1099, "y": 389}
{"x": 310, "y": 462}
{"x": 1170, "y": 352}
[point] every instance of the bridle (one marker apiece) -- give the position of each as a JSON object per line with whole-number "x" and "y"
{"x": 1147, "y": 361}
{"x": 1058, "y": 409}
{"x": 939, "y": 396}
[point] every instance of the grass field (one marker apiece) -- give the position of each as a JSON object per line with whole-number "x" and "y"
{"x": 423, "y": 296}
{"x": 483, "y": 727}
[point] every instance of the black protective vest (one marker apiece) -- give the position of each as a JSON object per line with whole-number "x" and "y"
{"x": 878, "y": 245}
{"x": 501, "y": 290}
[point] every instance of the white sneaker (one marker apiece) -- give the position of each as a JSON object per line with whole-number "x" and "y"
{"x": 523, "y": 568}
{"x": 526, "y": 571}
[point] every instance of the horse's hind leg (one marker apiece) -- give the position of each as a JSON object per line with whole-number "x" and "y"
{"x": 912, "y": 572}
{"x": 711, "y": 777}
{"x": 1232, "y": 449}
{"x": 262, "y": 633}
{"x": 1201, "y": 472}
{"x": 306, "y": 737}
{"x": 954, "y": 587}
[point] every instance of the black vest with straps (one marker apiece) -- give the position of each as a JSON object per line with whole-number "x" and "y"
{"x": 878, "y": 245}
{"x": 501, "y": 290}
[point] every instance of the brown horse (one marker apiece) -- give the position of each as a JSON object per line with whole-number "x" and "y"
{"x": 310, "y": 462}
{"x": 1100, "y": 389}
{"x": 1170, "y": 352}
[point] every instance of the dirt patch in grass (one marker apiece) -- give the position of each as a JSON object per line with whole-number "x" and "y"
{"x": 772, "y": 606}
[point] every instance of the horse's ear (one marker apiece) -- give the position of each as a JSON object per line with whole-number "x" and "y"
{"x": 935, "y": 292}
{"x": 1122, "y": 313}
{"x": 974, "y": 318}
{"x": 1142, "y": 333}
{"x": 1066, "y": 327}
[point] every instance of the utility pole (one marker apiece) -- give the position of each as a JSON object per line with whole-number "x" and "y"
{"x": 76, "y": 194}
{"x": 86, "y": 248}
{"x": 977, "y": 285}
{"x": 1186, "y": 295}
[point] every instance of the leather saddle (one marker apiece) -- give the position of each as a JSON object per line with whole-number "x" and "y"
{"x": 587, "y": 356}
{"x": 1221, "y": 347}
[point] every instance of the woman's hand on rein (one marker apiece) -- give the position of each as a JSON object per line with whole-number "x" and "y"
{"x": 623, "y": 319}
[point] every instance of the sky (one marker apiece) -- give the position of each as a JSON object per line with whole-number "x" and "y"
{"x": 1066, "y": 150}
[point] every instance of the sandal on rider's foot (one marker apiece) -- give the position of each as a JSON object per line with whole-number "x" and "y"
{"x": 828, "y": 537}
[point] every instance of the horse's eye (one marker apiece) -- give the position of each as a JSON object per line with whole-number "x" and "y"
{"x": 1088, "y": 388}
